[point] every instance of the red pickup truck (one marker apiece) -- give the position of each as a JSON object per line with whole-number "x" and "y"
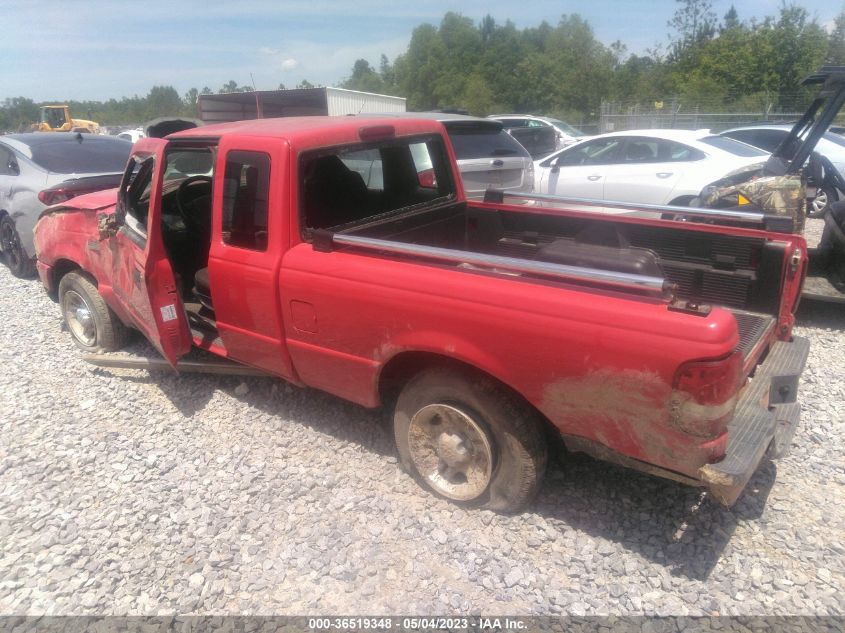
{"x": 341, "y": 254}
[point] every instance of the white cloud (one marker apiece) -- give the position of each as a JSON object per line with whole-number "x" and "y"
{"x": 289, "y": 64}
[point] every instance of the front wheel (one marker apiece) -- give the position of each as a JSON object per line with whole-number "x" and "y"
{"x": 93, "y": 325}
{"x": 20, "y": 264}
{"x": 467, "y": 438}
{"x": 825, "y": 196}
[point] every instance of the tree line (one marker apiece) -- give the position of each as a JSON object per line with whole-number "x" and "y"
{"x": 563, "y": 70}
{"x": 560, "y": 70}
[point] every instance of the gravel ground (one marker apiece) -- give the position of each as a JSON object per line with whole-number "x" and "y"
{"x": 124, "y": 492}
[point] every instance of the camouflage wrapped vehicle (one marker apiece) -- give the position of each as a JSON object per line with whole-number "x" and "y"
{"x": 780, "y": 186}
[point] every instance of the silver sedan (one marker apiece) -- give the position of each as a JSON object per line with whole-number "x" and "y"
{"x": 43, "y": 168}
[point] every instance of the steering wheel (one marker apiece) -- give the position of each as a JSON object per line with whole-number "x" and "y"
{"x": 190, "y": 190}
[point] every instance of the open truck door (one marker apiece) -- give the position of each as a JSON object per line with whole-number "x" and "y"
{"x": 142, "y": 276}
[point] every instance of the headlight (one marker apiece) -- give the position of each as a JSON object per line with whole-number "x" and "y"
{"x": 708, "y": 191}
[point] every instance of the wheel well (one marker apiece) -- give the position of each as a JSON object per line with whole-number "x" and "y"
{"x": 402, "y": 367}
{"x": 61, "y": 268}
{"x": 681, "y": 201}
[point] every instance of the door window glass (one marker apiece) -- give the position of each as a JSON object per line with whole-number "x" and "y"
{"x": 599, "y": 152}
{"x": 671, "y": 152}
{"x": 640, "y": 150}
{"x": 246, "y": 189}
{"x": 135, "y": 192}
{"x": 8, "y": 164}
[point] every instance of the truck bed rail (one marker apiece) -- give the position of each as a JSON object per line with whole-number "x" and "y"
{"x": 324, "y": 240}
{"x": 782, "y": 224}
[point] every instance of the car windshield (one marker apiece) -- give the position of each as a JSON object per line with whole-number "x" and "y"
{"x": 732, "y": 146}
{"x": 87, "y": 156}
{"x": 572, "y": 131}
{"x": 484, "y": 143}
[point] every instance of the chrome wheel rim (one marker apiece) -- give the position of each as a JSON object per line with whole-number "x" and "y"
{"x": 451, "y": 451}
{"x": 79, "y": 318}
{"x": 820, "y": 201}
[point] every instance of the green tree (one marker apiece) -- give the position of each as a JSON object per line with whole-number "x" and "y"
{"x": 730, "y": 20}
{"x": 836, "y": 41}
{"x": 693, "y": 23}
{"x": 163, "y": 101}
{"x": 17, "y": 114}
{"x": 364, "y": 77}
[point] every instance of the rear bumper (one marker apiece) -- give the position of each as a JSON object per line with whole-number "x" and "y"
{"x": 766, "y": 417}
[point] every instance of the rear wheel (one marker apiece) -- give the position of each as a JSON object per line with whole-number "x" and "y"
{"x": 20, "y": 264}
{"x": 467, "y": 438}
{"x": 92, "y": 324}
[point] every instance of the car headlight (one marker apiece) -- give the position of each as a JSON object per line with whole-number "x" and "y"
{"x": 708, "y": 191}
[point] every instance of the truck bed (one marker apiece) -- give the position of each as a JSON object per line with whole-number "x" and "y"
{"x": 740, "y": 273}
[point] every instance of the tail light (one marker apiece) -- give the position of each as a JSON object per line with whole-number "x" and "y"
{"x": 427, "y": 179}
{"x": 76, "y": 187}
{"x": 55, "y": 195}
{"x": 705, "y": 395}
{"x": 529, "y": 174}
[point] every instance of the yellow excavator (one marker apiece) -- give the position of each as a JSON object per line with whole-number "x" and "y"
{"x": 56, "y": 118}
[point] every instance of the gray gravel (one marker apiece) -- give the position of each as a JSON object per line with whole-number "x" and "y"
{"x": 130, "y": 493}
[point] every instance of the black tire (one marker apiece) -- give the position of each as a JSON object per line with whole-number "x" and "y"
{"x": 107, "y": 332}
{"x": 818, "y": 206}
{"x": 513, "y": 435}
{"x": 19, "y": 262}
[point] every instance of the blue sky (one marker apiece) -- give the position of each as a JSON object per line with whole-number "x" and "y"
{"x": 99, "y": 49}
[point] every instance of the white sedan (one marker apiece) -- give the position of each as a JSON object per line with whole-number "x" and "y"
{"x": 643, "y": 166}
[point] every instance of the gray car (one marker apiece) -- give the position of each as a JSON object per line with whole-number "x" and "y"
{"x": 42, "y": 168}
{"x": 488, "y": 157}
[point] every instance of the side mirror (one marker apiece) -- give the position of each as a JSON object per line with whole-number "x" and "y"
{"x": 14, "y": 168}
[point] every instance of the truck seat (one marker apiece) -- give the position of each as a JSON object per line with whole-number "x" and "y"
{"x": 334, "y": 194}
{"x": 202, "y": 288}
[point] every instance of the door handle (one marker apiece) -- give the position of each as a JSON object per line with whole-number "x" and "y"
{"x": 663, "y": 174}
{"x": 594, "y": 177}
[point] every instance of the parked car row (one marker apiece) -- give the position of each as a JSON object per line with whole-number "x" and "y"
{"x": 639, "y": 166}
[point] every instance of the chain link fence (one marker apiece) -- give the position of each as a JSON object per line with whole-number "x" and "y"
{"x": 616, "y": 116}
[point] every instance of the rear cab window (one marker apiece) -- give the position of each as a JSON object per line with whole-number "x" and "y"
{"x": 350, "y": 185}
